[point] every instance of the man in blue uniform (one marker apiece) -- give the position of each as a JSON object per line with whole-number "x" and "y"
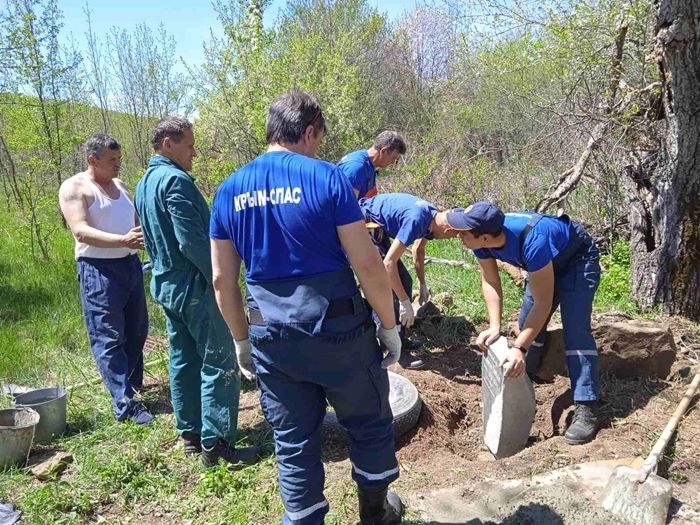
{"x": 405, "y": 220}
{"x": 360, "y": 167}
{"x": 561, "y": 259}
{"x": 294, "y": 221}
{"x": 204, "y": 378}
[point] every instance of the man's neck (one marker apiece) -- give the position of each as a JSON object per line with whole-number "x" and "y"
{"x": 496, "y": 242}
{"x": 289, "y": 147}
{"x": 373, "y": 155}
{"x": 98, "y": 179}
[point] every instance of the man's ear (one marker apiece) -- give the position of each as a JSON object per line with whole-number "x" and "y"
{"x": 167, "y": 142}
{"x": 91, "y": 159}
{"x": 308, "y": 133}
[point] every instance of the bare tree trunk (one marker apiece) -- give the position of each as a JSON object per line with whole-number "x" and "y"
{"x": 665, "y": 213}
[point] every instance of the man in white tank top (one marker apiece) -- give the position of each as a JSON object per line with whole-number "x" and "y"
{"x": 102, "y": 218}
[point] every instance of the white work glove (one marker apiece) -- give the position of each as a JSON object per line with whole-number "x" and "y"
{"x": 423, "y": 294}
{"x": 391, "y": 341}
{"x": 406, "y": 313}
{"x": 245, "y": 360}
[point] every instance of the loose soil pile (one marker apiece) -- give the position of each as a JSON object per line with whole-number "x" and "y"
{"x": 447, "y": 448}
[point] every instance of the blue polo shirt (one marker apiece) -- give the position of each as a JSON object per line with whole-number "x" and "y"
{"x": 281, "y": 212}
{"x": 544, "y": 242}
{"x": 360, "y": 171}
{"x": 402, "y": 216}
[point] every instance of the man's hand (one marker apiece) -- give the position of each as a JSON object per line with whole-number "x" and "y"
{"x": 392, "y": 343}
{"x": 513, "y": 362}
{"x": 406, "y": 314}
{"x": 423, "y": 294}
{"x": 133, "y": 239}
{"x": 488, "y": 336}
{"x": 245, "y": 360}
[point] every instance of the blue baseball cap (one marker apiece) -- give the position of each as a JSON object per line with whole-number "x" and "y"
{"x": 481, "y": 217}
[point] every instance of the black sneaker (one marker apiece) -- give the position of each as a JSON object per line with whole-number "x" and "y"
{"x": 236, "y": 457}
{"x": 192, "y": 443}
{"x": 584, "y": 425}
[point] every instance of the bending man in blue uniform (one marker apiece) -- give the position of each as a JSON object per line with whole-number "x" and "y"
{"x": 405, "y": 220}
{"x": 360, "y": 167}
{"x": 563, "y": 270}
{"x": 204, "y": 378}
{"x": 294, "y": 221}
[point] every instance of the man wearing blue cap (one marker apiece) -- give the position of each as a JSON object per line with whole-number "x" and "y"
{"x": 561, "y": 259}
{"x": 405, "y": 220}
{"x": 360, "y": 167}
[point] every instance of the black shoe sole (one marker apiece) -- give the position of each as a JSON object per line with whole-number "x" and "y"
{"x": 579, "y": 441}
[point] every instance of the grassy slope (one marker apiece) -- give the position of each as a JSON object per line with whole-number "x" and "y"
{"x": 121, "y": 469}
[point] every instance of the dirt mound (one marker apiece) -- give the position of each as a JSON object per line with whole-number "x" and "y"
{"x": 447, "y": 444}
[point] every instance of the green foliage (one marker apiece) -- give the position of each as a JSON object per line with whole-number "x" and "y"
{"x": 614, "y": 289}
{"x": 247, "y": 69}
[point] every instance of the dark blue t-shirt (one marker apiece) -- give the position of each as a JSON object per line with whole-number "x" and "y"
{"x": 281, "y": 212}
{"x": 360, "y": 171}
{"x": 544, "y": 242}
{"x": 402, "y": 216}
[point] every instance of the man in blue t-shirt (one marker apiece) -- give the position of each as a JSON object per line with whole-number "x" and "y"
{"x": 562, "y": 266}
{"x": 295, "y": 223}
{"x": 360, "y": 167}
{"x": 405, "y": 220}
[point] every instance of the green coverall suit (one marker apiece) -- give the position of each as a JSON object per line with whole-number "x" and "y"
{"x": 204, "y": 376}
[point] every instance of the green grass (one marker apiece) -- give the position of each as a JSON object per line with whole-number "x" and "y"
{"x": 125, "y": 471}
{"x": 42, "y": 334}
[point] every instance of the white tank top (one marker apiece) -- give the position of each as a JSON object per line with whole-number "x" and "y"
{"x": 109, "y": 215}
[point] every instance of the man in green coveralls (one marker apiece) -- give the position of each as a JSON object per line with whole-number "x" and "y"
{"x": 204, "y": 376}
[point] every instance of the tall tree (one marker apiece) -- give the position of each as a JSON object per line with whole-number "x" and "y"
{"x": 665, "y": 212}
{"x": 148, "y": 86}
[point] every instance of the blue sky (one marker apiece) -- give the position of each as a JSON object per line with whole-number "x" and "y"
{"x": 188, "y": 21}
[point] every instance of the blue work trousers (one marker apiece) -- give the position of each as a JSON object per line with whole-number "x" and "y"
{"x": 297, "y": 372}
{"x": 114, "y": 307}
{"x": 204, "y": 377}
{"x": 576, "y": 278}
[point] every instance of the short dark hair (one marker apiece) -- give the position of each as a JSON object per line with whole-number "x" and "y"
{"x": 391, "y": 140}
{"x": 97, "y": 143}
{"x": 290, "y": 114}
{"x": 172, "y": 127}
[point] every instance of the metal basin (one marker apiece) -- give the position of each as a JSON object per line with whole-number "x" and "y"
{"x": 50, "y": 403}
{"x": 17, "y": 427}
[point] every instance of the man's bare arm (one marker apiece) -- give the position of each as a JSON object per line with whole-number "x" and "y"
{"x": 72, "y": 197}
{"x": 226, "y": 270}
{"x": 391, "y": 261}
{"x": 541, "y": 285}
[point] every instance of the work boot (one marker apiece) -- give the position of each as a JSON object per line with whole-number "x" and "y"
{"x": 192, "y": 443}
{"x": 379, "y": 507}
{"x": 584, "y": 425}
{"x": 236, "y": 457}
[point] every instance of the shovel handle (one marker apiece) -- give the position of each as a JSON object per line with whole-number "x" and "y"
{"x": 650, "y": 463}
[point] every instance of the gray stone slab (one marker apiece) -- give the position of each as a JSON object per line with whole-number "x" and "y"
{"x": 509, "y": 405}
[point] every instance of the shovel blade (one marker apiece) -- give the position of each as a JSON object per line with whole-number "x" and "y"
{"x": 641, "y": 502}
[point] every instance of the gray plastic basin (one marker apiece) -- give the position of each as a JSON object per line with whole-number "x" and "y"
{"x": 50, "y": 403}
{"x": 16, "y": 433}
